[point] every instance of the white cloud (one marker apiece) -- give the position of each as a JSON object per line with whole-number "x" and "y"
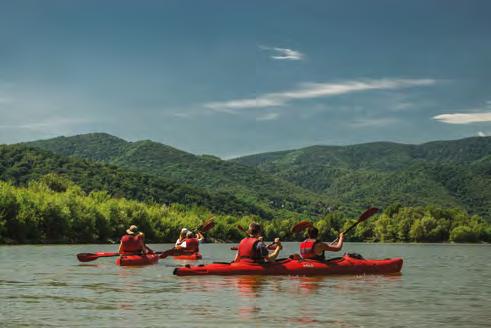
{"x": 268, "y": 117}
{"x": 284, "y": 53}
{"x": 463, "y": 118}
{"x": 481, "y": 134}
{"x": 316, "y": 90}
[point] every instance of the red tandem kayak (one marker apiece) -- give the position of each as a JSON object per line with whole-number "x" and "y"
{"x": 190, "y": 257}
{"x": 128, "y": 260}
{"x": 341, "y": 265}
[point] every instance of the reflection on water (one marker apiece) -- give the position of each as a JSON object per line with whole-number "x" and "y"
{"x": 435, "y": 289}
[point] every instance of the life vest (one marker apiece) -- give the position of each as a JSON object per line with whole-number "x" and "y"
{"x": 247, "y": 250}
{"x": 307, "y": 250}
{"x": 192, "y": 245}
{"x": 131, "y": 244}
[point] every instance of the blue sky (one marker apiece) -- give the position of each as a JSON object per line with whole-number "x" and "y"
{"x": 231, "y": 78}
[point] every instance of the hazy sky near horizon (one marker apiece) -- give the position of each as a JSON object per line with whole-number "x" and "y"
{"x": 231, "y": 78}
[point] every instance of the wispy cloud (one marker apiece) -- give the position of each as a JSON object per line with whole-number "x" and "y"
{"x": 481, "y": 134}
{"x": 268, "y": 117}
{"x": 463, "y": 118}
{"x": 374, "y": 122}
{"x": 316, "y": 90}
{"x": 283, "y": 53}
{"x": 49, "y": 124}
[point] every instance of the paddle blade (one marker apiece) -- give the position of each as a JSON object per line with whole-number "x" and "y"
{"x": 88, "y": 257}
{"x": 368, "y": 213}
{"x": 207, "y": 226}
{"x": 301, "y": 226}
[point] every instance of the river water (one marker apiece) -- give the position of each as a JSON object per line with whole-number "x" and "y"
{"x": 441, "y": 285}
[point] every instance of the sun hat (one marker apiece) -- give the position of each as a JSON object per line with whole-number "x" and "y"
{"x": 132, "y": 230}
{"x": 189, "y": 234}
{"x": 184, "y": 230}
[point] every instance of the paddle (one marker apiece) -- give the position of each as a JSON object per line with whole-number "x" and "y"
{"x": 204, "y": 227}
{"x": 302, "y": 225}
{"x": 363, "y": 217}
{"x": 88, "y": 257}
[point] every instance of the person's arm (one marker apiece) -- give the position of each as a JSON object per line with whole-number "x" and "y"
{"x": 320, "y": 247}
{"x": 120, "y": 247}
{"x": 272, "y": 256}
{"x": 144, "y": 247}
{"x": 200, "y": 236}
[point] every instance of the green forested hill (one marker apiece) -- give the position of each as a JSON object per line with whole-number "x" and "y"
{"x": 206, "y": 172}
{"x": 445, "y": 173}
{"x": 314, "y": 179}
{"x": 20, "y": 165}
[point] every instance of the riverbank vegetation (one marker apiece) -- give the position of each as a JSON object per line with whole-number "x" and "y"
{"x": 53, "y": 209}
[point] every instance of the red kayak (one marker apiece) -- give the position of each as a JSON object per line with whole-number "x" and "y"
{"x": 342, "y": 265}
{"x": 128, "y": 260}
{"x": 190, "y": 257}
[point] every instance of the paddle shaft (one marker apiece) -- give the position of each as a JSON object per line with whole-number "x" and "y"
{"x": 363, "y": 217}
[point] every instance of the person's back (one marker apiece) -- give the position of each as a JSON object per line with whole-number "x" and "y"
{"x": 307, "y": 250}
{"x": 191, "y": 245}
{"x": 132, "y": 242}
{"x": 252, "y": 248}
{"x": 314, "y": 249}
{"x": 247, "y": 251}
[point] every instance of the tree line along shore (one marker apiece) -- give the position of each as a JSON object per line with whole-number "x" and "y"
{"x": 53, "y": 209}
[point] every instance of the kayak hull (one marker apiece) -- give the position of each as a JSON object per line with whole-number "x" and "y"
{"x": 189, "y": 257}
{"x": 136, "y": 260}
{"x": 338, "y": 266}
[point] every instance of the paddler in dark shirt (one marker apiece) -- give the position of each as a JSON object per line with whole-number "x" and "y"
{"x": 253, "y": 249}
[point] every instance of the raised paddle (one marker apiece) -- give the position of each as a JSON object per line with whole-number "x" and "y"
{"x": 302, "y": 225}
{"x": 206, "y": 226}
{"x": 363, "y": 217}
{"x": 88, "y": 257}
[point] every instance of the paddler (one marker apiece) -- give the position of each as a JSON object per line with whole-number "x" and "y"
{"x": 253, "y": 249}
{"x": 190, "y": 244}
{"x": 182, "y": 236}
{"x": 312, "y": 248}
{"x": 133, "y": 242}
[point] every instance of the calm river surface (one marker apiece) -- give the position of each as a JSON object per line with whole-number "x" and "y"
{"x": 441, "y": 285}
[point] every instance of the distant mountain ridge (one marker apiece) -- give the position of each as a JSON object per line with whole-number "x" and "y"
{"x": 454, "y": 173}
{"x": 448, "y": 173}
{"x": 205, "y": 172}
{"x": 21, "y": 164}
